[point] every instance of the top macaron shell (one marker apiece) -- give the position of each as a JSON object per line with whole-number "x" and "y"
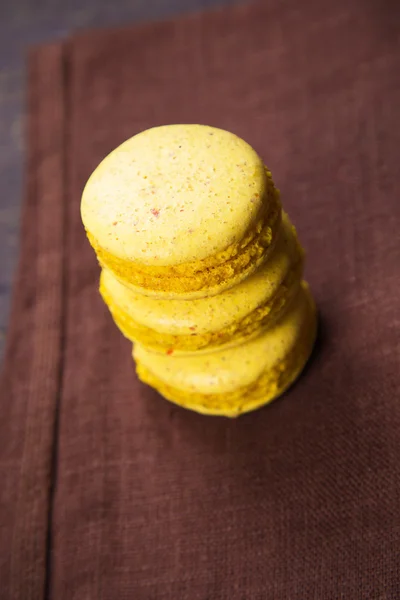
{"x": 175, "y": 194}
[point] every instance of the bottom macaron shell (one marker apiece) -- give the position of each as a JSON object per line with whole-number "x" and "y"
{"x": 271, "y": 384}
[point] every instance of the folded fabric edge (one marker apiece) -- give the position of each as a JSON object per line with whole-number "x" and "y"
{"x": 31, "y": 372}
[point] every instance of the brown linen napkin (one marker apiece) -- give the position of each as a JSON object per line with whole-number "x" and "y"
{"x": 110, "y": 492}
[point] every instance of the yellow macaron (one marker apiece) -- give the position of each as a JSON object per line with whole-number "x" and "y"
{"x": 181, "y": 211}
{"x": 201, "y": 324}
{"x": 238, "y": 379}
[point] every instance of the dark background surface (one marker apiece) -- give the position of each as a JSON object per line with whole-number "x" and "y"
{"x": 24, "y": 23}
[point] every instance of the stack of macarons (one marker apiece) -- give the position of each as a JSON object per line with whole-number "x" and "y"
{"x": 201, "y": 269}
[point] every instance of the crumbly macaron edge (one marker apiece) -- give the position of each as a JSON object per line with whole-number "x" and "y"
{"x": 252, "y": 324}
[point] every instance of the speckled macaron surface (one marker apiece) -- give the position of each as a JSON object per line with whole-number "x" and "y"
{"x": 181, "y": 209}
{"x": 175, "y": 194}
